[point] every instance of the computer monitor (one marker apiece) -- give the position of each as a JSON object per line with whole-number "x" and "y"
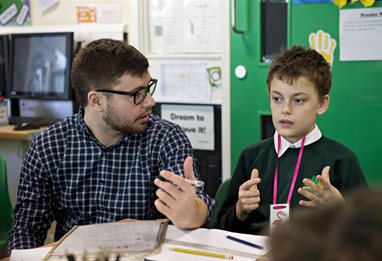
{"x": 3, "y": 63}
{"x": 40, "y": 65}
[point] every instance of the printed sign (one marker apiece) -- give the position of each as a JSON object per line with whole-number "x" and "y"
{"x": 197, "y": 121}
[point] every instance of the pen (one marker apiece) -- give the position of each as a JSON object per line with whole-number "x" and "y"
{"x": 195, "y": 183}
{"x": 244, "y": 242}
{"x": 202, "y": 253}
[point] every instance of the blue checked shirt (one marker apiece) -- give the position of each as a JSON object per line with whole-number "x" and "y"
{"x": 70, "y": 177}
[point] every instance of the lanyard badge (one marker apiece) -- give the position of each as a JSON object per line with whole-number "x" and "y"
{"x": 279, "y": 213}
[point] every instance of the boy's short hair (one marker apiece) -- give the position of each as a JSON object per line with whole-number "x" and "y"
{"x": 299, "y": 62}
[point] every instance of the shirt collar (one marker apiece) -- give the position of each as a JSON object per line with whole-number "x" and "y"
{"x": 81, "y": 121}
{"x": 312, "y": 137}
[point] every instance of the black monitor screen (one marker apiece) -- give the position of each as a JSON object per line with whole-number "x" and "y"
{"x": 40, "y": 65}
{"x": 3, "y": 63}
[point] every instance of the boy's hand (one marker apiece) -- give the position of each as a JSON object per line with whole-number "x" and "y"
{"x": 177, "y": 199}
{"x": 320, "y": 195}
{"x": 249, "y": 196}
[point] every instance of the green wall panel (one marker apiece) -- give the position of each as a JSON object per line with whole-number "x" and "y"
{"x": 354, "y": 117}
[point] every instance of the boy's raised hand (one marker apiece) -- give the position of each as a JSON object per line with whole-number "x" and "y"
{"x": 320, "y": 195}
{"x": 249, "y": 196}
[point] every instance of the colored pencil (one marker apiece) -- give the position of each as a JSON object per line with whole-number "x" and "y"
{"x": 244, "y": 242}
{"x": 202, "y": 253}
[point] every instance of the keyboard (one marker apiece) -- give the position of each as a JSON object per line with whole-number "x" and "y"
{"x": 42, "y": 121}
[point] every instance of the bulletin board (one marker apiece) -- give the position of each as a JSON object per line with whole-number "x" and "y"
{"x": 183, "y": 42}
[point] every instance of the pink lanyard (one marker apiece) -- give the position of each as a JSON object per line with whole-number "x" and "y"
{"x": 294, "y": 174}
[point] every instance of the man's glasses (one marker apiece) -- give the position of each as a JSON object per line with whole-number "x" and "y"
{"x": 139, "y": 95}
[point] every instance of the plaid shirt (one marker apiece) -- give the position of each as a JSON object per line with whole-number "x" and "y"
{"x": 70, "y": 177}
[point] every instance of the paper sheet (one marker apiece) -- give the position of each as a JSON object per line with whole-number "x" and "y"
{"x": 131, "y": 239}
{"x": 361, "y": 34}
{"x": 187, "y": 79}
{"x": 184, "y": 26}
{"x": 34, "y": 254}
{"x": 212, "y": 237}
{"x": 197, "y": 121}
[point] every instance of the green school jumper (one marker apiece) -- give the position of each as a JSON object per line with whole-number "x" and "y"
{"x": 345, "y": 175}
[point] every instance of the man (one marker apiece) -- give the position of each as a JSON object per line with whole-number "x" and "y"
{"x": 100, "y": 164}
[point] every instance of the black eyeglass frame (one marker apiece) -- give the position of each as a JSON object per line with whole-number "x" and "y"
{"x": 152, "y": 83}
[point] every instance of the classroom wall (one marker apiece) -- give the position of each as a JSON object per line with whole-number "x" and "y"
{"x": 65, "y": 11}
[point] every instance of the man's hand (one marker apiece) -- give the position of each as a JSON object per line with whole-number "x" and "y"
{"x": 249, "y": 196}
{"x": 320, "y": 195}
{"x": 177, "y": 198}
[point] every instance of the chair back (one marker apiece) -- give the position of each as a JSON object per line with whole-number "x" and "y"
{"x": 221, "y": 195}
{"x": 6, "y": 209}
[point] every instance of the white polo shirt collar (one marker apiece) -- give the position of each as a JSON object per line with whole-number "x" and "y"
{"x": 313, "y": 136}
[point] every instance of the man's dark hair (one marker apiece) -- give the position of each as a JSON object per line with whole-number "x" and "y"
{"x": 99, "y": 64}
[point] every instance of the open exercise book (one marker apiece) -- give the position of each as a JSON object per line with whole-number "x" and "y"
{"x": 133, "y": 239}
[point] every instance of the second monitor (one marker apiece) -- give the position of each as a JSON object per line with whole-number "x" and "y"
{"x": 40, "y": 65}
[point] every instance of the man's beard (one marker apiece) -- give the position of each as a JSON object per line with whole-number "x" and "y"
{"x": 115, "y": 122}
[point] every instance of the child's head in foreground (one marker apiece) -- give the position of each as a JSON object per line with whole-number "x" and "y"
{"x": 298, "y": 83}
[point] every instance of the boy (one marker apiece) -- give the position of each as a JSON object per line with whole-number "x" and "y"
{"x": 298, "y": 83}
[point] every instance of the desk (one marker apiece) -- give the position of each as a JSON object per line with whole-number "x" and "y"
{"x": 211, "y": 237}
{"x": 13, "y": 146}
{"x": 8, "y": 133}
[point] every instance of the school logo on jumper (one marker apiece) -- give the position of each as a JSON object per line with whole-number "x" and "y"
{"x": 324, "y": 44}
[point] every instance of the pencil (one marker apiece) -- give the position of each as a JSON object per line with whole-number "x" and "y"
{"x": 202, "y": 253}
{"x": 244, "y": 242}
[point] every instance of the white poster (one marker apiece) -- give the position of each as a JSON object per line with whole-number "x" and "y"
{"x": 185, "y": 81}
{"x": 197, "y": 121}
{"x": 185, "y": 26}
{"x": 361, "y": 34}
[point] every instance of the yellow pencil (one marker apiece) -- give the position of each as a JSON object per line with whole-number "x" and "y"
{"x": 202, "y": 253}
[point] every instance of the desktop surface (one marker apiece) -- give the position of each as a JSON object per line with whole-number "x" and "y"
{"x": 7, "y": 132}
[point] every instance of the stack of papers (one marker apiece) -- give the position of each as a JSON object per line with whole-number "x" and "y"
{"x": 133, "y": 239}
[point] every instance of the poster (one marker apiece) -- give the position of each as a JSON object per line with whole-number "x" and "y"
{"x": 185, "y": 81}
{"x": 361, "y": 34}
{"x": 186, "y": 26}
{"x": 15, "y": 12}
